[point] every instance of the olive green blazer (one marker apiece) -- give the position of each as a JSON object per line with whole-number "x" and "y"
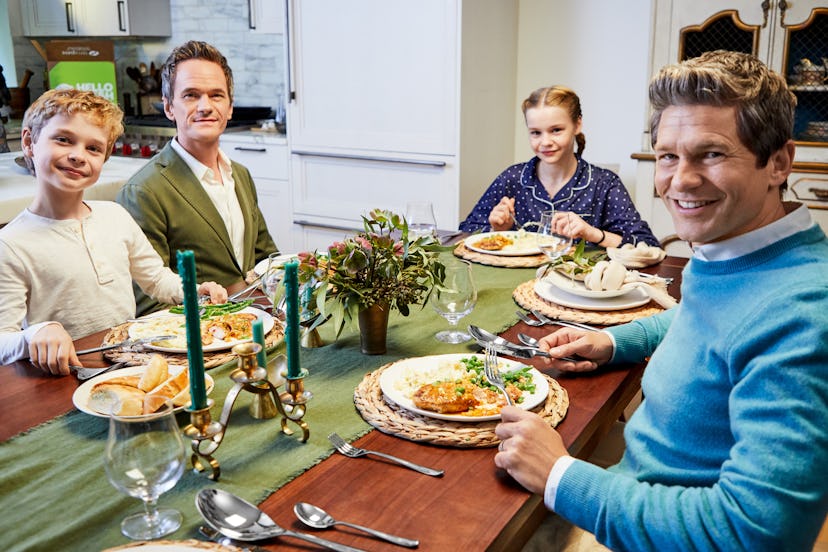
{"x": 175, "y": 213}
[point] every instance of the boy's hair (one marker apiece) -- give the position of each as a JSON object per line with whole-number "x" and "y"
{"x": 70, "y": 101}
{"x": 193, "y": 49}
{"x": 558, "y": 96}
{"x": 764, "y": 104}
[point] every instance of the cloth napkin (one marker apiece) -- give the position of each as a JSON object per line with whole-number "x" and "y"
{"x": 636, "y": 257}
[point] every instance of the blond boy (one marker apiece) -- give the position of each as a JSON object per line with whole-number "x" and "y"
{"x": 67, "y": 265}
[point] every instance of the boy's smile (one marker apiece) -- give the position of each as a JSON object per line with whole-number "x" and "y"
{"x": 68, "y": 154}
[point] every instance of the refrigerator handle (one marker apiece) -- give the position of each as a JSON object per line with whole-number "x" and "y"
{"x": 291, "y": 92}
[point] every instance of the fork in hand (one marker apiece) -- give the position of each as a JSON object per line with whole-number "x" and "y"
{"x": 492, "y": 372}
{"x": 351, "y": 451}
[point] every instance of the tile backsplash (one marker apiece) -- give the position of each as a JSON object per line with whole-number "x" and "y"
{"x": 257, "y": 59}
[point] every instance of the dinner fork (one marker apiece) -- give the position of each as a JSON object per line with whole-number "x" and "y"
{"x": 577, "y": 325}
{"x": 89, "y": 373}
{"x": 492, "y": 372}
{"x": 351, "y": 451}
{"x": 530, "y": 322}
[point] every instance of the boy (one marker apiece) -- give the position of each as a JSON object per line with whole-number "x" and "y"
{"x": 67, "y": 265}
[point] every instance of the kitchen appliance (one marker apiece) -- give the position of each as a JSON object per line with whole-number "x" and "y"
{"x": 144, "y": 135}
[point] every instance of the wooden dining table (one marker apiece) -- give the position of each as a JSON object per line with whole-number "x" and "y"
{"x": 474, "y": 506}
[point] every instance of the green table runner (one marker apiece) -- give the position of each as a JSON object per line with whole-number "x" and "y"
{"x": 54, "y": 494}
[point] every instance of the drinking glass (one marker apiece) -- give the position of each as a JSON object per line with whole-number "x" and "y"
{"x": 552, "y": 242}
{"x": 454, "y": 299}
{"x": 421, "y": 219}
{"x": 272, "y": 279}
{"x": 145, "y": 458}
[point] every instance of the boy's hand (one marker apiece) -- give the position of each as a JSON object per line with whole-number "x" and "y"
{"x": 51, "y": 349}
{"x": 218, "y": 295}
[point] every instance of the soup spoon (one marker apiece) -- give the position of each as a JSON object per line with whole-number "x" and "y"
{"x": 316, "y": 517}
{"x": 236, "y": 518}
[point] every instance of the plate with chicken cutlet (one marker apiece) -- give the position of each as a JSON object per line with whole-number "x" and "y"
{"x": 218, "y": 332}
{"x": 516, "y": 243}
{"x": 453, "y": 387}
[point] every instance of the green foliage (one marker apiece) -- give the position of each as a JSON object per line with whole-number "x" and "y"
{"x": 380, "y": 265}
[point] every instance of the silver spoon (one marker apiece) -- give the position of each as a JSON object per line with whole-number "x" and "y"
{"x": 318, "y": 518}
{"x": 219, "y": 507}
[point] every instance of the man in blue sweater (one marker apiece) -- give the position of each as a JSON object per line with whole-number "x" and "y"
{"x": 729, "y": 449}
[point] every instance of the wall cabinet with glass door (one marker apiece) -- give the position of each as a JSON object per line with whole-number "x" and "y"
{"x": 790, "y": 37}
{"x": 82, "y": 18}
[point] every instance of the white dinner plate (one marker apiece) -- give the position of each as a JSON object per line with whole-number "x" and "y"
{"x": 525, "y": 243}
{"x": 261, "y": 266}
{"x": 634, "y": 298}
{"x": 174, "y": 324}
{"x": 80, "y": 398}
{"x": 394, "y": 375}
{"x": 577, "y": 287}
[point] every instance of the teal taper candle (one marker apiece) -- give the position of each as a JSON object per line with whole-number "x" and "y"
{"x": 195, "y": 356}
{"x": 292, "y": 318}
{"x": 258, "y": 337}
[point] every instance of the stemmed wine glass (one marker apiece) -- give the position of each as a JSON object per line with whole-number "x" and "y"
{"x": 550, "y": 239}
{"x": 454, "y": 299}
{"x": 272, "y": 279}
{"x": 421, "y": 219}
{"x": 145, "y": 458}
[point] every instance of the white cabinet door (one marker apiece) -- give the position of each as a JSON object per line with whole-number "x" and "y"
{"x": 266, "y": 16}
{"x": 374, "y": 75}
{"x": 106, "y": 18}
{"x": 50, "y": 17}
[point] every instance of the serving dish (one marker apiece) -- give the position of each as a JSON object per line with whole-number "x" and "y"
{"x": 393, "y": 384}
{"x": 635, "y": 298}
{"x": 80, "y": 398}
{"x": 167, "y": 323}
{"x": 524, "y": 243}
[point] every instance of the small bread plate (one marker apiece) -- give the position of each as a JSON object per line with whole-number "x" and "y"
{"x": 261, "y": 266}
{"x": 167, "y": 323}
{"x": 635, "y": 298}
{"x": 577, "y": 287}
{"x": 508, "y": 244}
{"x": 80, "y": 397}
{"x": 403, "y": 377}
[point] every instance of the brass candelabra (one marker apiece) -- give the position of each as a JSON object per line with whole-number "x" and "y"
{"x": 207, "y": 435}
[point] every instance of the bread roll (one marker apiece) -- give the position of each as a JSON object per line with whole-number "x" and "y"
{"x": 156, "y": 373}
{"x": 172, "y": 386}
{"x": 114, "y": 398}
{"x": 129, "y": 381}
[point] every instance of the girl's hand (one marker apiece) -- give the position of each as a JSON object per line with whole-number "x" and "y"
{"x": 502, "y": 216}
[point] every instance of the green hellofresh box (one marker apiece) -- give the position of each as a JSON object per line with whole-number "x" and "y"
{"x": 83, "y": 64}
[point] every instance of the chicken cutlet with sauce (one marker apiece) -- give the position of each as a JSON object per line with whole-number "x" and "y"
{"x": 494, "y": 243}
{"x": 445, "y": 397}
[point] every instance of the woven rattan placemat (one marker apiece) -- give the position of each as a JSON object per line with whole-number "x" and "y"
{"x": 529, "y": 261}
{"x": 526, "y": 297}
{"x": 392, "y": 419}
{"x": 139, "y": 354}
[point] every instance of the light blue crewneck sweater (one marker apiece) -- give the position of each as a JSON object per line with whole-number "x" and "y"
{"x": 729, "y": 449}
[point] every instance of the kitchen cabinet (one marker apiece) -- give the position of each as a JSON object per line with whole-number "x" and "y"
{"x": 266, "y": 16}
{"x": 266, "y": 157}
{"x": 790, "y": 38}
{"x": 391, "y": 102}
{"x": 96, "y": 17}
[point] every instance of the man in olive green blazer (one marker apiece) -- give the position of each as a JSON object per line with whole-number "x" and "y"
{"x": 191, "y": 195}
{"x": 175, "y": 212}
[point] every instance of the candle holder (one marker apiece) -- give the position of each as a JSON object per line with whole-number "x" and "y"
{"x": 207, "y": 435}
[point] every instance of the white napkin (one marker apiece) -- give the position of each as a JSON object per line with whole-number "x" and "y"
{"x": 638, "y": 256}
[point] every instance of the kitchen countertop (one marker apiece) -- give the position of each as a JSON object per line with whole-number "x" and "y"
{"x": 17, "y": 186}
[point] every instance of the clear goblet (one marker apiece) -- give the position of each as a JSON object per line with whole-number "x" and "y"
{"x": 145, "y": 458}
{"x": 454, "y": 299}
{"x": 421, "y": 219}
{"x": 272, "y": 279}
{"x": 550, "y": 238}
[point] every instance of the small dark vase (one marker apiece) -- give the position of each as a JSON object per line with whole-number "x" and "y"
{"x": 373, "y": 328}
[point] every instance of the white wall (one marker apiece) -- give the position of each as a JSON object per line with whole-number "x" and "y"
{"x": 600, "y": 49}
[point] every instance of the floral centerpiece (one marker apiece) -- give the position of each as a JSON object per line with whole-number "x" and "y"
{"x": 379, "y": 267}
